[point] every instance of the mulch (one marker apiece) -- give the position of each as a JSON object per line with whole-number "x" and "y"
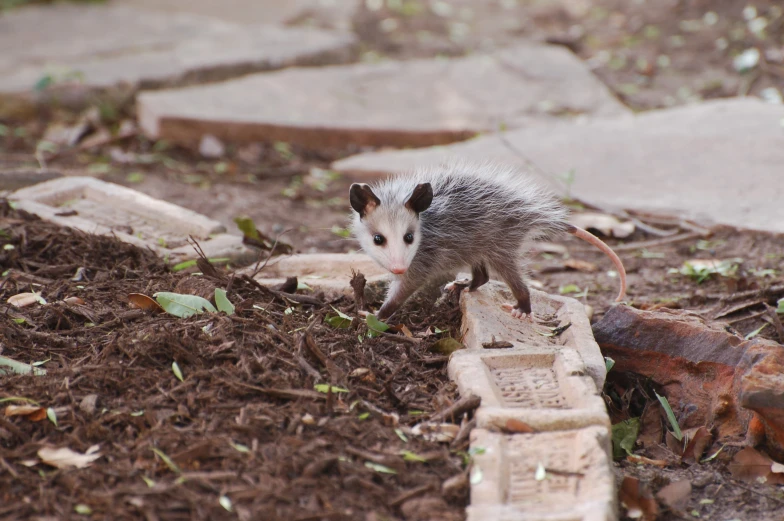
{"x": 246, "y": 422}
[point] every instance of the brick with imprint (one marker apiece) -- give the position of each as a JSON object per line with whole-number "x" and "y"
{"x": 94, "y": 206}
{"x": 545, "y": 390}
{"x": 549, "y": 476}
{"x": 485, "y": 321}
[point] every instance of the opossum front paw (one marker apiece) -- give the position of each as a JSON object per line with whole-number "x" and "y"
{"x": 517, "y": 312}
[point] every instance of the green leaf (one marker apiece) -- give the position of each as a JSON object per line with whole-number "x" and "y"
{"x": 756, "y": 332}
{"x": 191, "y": 263}
{"x": 401, "y": 435}
{"x": 324, "y": 388}
{"x": 476, "y": 476}
{"x": 446, "y": 346}
{"x": 412, "y": 456}
{"x": 176, "y": 371}
{"x": 222, "y": 301}
{"x": 247, "y": 227}
{"x": 19, "y": 399}
{"x": 150, "y": 483}
{"x": 225, "y": 502}
{"x": 609, "y": 363}
{"x": 341, "y": 321}
{"x": 380, "y": 468}
{"x": 19, "y": 367}
{"x": 183, "y": 306}
{"x": 375, "y": 326}
{"x": 19, "y": 321}
{"x": 167, "y": 460}
{"x": 624, "y": 435}
{"x": 83, "y": 509}
{"x": 670, "y": 416}
{"x": 239, "y": 447}
{"x": 134, "y": 177}
{"x": 341, "y": 232}
{"x": 51, "y": 415}
{"x": 569, "y": 288}
{"x": 364, "y": 416}
{"x": 540, "y": 472}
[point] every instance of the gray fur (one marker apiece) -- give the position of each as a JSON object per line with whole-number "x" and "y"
{"x": 481, "y": 215}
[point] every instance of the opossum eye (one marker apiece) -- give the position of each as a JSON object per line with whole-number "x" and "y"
{"x": 408, "y": 238}
{"x": 379, "y": 239}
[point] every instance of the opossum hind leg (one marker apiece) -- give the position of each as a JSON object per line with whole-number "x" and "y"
{"x": 514, "y": 279}
{"x": 479, "y": 276}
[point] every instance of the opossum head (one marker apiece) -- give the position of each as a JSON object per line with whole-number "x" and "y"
{"x": 389, "y": 231}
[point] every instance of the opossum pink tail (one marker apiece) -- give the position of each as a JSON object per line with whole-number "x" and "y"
{"x": 595, "y": 241}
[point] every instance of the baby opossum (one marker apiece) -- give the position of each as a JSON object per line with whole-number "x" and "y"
{"x": 439, "y": 219}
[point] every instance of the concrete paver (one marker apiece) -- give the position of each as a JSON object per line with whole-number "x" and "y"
{"x": 100, "y": 46}
{"x": 95, "y": 206}
{"x": 718, "y": 161}
{"x": 410, "y": 103}
{"x": 332, "y": 14}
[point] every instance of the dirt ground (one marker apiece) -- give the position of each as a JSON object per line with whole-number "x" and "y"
{"x": 246, "y": 422}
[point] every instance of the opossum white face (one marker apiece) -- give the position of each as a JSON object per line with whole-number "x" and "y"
{"x": 389, "y": 232}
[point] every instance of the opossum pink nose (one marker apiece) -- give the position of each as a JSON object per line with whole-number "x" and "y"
{"x": 398, "y": 270}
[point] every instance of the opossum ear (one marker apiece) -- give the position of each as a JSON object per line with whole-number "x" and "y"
{"x": 420, "y": 198}
{"x": 362, "y": 198}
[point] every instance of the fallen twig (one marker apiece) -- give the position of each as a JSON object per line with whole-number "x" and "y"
{"x": 457, "y": 409}
{"x": 657, "y": 242}
{"x": 775, "y": 320}
{"x": 358, "y": 285}
{"x": 405, "y": 496}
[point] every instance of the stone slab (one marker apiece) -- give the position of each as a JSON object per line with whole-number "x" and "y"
{"x": 98, "y": 207}
{"x": 717, "y": 161}
{"x": 411, "y": 103}
{"x": 484, "y": 320}
{"x": 328, "y": 272}
{"x": 101, "y": 46}
{"x": 333, "y": 14}
{"x": 545, "y": 390}
{"x": 578, "y": 484}
{"x": 19, "y": 178}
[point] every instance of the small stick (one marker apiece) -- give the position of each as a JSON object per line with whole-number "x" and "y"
{"x": 358, "y": 285}
{"x": 457, "y": 409}
{"x": 658, "y": 242}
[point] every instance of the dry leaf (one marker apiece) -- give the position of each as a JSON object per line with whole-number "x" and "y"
{"x": 513, "y": 425}
{"x": 25, "y": 299}
{"x": 752, "y": 465}
{"x": 66, "y": 458}
{"x": 651, "y": 429}
{"x": 74, "y": 300}
{"x": 141, "y": 301}
{"x": 401, "y": 328}
{"x": 605, "y": 224}
{"x": 676, "y": 494}
{"x": 699, "y": 440}
{"x": 31, "y": 412}
{"x": 580, "y": 265}
{"x": 637, "y": 499}
{"x": 634, "y": 458}
{"x": 438, "y": 432}
{"x": 673, "y": 443}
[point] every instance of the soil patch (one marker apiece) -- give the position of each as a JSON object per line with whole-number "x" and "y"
{"x": 246, "y": 422}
